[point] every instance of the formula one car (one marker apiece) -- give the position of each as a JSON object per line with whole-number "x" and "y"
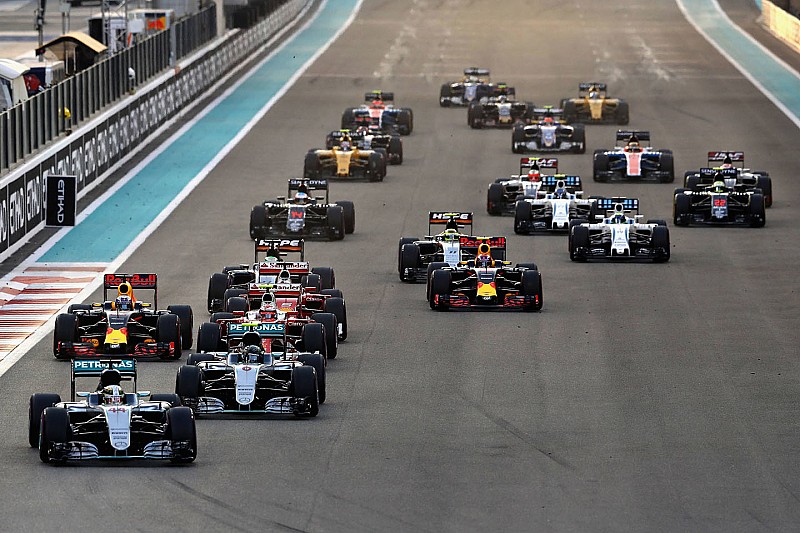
{"x": 370, "y": 138}
{"x": 746, "y": 179}
{"x": 630, "y": 160}
{"x": 300, "y": 214}
{"x": 380, "y": 112}
{"x": 593, "y": 106}
{"x": 724, "y": 202}
{"x": 124, "y": 326}
{"x": 415, "y": 255}
{"x": 473, "y": 87}
{"x": 486, "y": 282}
{"x": 502, "y": 196}
{"x": 548, "y": 132}
{"x": 499, "y": 112}
{"x": 619, "y": 236}
{"x": 250, "y": 380}
{"x": 109, "y": 423}
{"x": 555, "y": 210}
{"x": 345, "y": 160}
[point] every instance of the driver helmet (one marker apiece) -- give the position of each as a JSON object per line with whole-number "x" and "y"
{"x": 560, "y": 191}
{"x": 633, "y": 145}
{"x": 534, "y": 174}
{"x": 727, "y": 162}
{"x": 253, "y": 354}
{"x": 345, "y": 144}
{"x": 267, "y": 309}
{"x": 484, "y": 257}
{"x": 377, "y": 103}
{"x": 548, "y": 120}
{"x": 301, "y": 197}
{"x": 594, "y": 93}
{"x": 113, "y": 395}
{"x": 123, "y": 303}
{"x": 452, "y": 224}
{"x": 284, "y": 276}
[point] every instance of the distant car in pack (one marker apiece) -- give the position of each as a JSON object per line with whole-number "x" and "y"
{"x": 370, "y": 138}
{"x": 594, "y": 106}
{"x": 345, "y": 160}
{"x": 548, "y": 131}
{"x": 617, "y": 233}
{"x": 486, "y": 282}
{"x": 746, "y": 179}
{"x": 415, "y": 254}
{"x": 299, "y": 214}
{"x": 632, "y": 160}
{"x": 502, "y": 195}
{"x": 723, "y": 202}
{"x": 475, "y": 86}
{"x": 124, "y": 325}
{"x": 499, "y": 112}
{"x": 380, "y": 112}
{"x": 561, "y": 205}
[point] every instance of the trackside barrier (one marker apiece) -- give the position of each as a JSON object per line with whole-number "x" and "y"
{"x": 92, "y": 153}
{"x": 781, "y": 24}
{"x": 33, "y": 124}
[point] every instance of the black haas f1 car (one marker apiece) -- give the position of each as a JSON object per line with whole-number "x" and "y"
{"x": 379, "y": 111}
{"x": 300, "y": 215}
{"x": 746, "y": 179}
{"x": 634, "y": 161}
{"x": 502, "y": 196}
{"x": 485, "y": 282}
{"x": 416, "y": 256}
{"x": 251, "y": 380}
{"x": 548, "y": 131}
{"x": 369, "y": 138}
{"x": 109, "y": 423}
{"x": 594, "y": 106}
{"x": 475, "y": 86}
{"x": 616, "y": 235}
{"x": 124, "y": 325}
{"x": 499, "y": 112}
{"x": 724, "y": 202}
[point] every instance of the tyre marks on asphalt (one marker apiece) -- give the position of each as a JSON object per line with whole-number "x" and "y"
{"x": 32, "y": 295}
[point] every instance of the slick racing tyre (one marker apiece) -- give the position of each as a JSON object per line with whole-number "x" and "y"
{"x": 623, "y": 113}
{"x": 186, "y": 318}
{"x": 336, "y": 227}
{"x": 36, "y": 406}
{"x": 327, "y": 278}
{"x": 409, "y": 258}
{"x": 494, "y": 199}
{"x": 349, "y": 210}
{"x": 517, "y": 139}
{"x": 66, "y": 330}
{"x": 55, "y": 429}
{"x": 258, "y": 221}
{"x": 440, "y": 286}
{"x": 304, "y": 385}
{"x": 311, "y": 165}
{"x": 522, "y": 217}
{"x": 580, "y": 239}
{"x": 660, "y": 244}
{"x": 336, "y": 306}
{"x": 182, "y": 434}
{"x": 168, "y": 330}
{"x": 208, "y": 337}
{"x": 532, "y": 286}
{"x": 217, "y": 285}
{"x": 376, "y": 167}
{"x": 313, "y": 338}
{"x": 331, "y": 329}
{"x": 316, "y": 361}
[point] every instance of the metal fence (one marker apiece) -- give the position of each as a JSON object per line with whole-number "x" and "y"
{"x": 27, "y": 127}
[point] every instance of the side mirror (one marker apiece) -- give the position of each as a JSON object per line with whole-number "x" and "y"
{"x": 82, "y": 394}
{"x": 143, "y": 394}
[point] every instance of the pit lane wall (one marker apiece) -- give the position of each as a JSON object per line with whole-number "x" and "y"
{"x": 93, "y": 152}
{"x": 781, "y": 24}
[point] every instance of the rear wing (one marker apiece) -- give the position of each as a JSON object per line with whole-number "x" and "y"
{"x": 572, "y": 183}
{"x": 440, "y": 218}
{"x": 707, "y": 174}
{"x": 721, "y": 156}
{"x": 93, "y": 368}
{"x": 475, "y": 71}
{"x": 549, "y": 111}
{"x": 279, "y": 248}
{"x": 379, "y": 95}
{"x": 497, "y": 246}
{"x": 502, "y": 89}
{"x": 624, "y": 135}
{"x": 589, "y": 85}
{"x": 628, "y": 205}
{"x": 271, "y": 330}
{"x": 526, "y": 163}
{"x": 117, "y": 282}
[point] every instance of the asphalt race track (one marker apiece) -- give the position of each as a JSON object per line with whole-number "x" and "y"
{"x": 642, "y": 398}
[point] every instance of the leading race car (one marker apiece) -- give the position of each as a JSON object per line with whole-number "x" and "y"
{"x": 370, "y": 138}
{"x": 109, "y": 423}
{"x": 499, "y": 112}
{"x": 485, "y": 282}
{"x": 380, "y": 112}
{"x": 619, "y": 236}
{"x": 548, "y": 131}
{"x": 554, "y": 210}
{"x": 300, "y": 215}
{"x": 249, "y": 380}
{"x": 594, "y": 106}
{"x": 124, "y": 325}
{"x": 475, "y": 86}
{"x": 633, "y": 160}
{"x": 344, "y": 161}
{"x": 746, "y": 179}
{"x": 415, "y": 256}
{"x": 723, "y": 202}
{"x": 502, "y": 195}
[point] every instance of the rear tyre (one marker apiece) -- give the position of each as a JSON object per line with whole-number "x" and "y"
{"x": 517, "y": 139}
{"x": 331, "y": 329}
{"x": 579, "y": 136}
{"x": 444, "y": 95}
{"x": 623, "y": 113}
{"x": 258, "y": 221}
{"x": 327, "y": 279}
{"x": 221, "y": 315}
{"x": 494, "y": 199}
{"x": 409, "y": 258}
{"x": 311, "y": 165}
{"x": 313, "y": 337}
{"x": 78, "y": 307}
{"x": 668, "y": 166}
{"x": 337, "y": 307}
{"x": 532, "y": 286}
{"x": 661, "y": 244}
{"x": 580, "y": 239}
{"x": 376, "y": 167}
{"x": 600, "y": 165}
{"x": 765, "y": 184}
{"x": 681, "y": 210}
{"x": 209, "y": 337}
{"x": 217, "y": 285}
{"x": 396, "y": 151}
{"x": 336, "y": 227}
{"x": 36, "y": 406}
{"x": 237, "y": 304}
{"x": 189, "y": 384}
{"x": 186, "y": 320}
{"x": 758, "y": 216}
{"x": 474, "y": 115}
{"x": 316, "y": 361}
{"x": 522, "y": 216}
{"x": 349, "y": 211}
{"x": 311, "y": 281}
{"x": 195, "y": 358}
{"x": 173, "y": 399}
